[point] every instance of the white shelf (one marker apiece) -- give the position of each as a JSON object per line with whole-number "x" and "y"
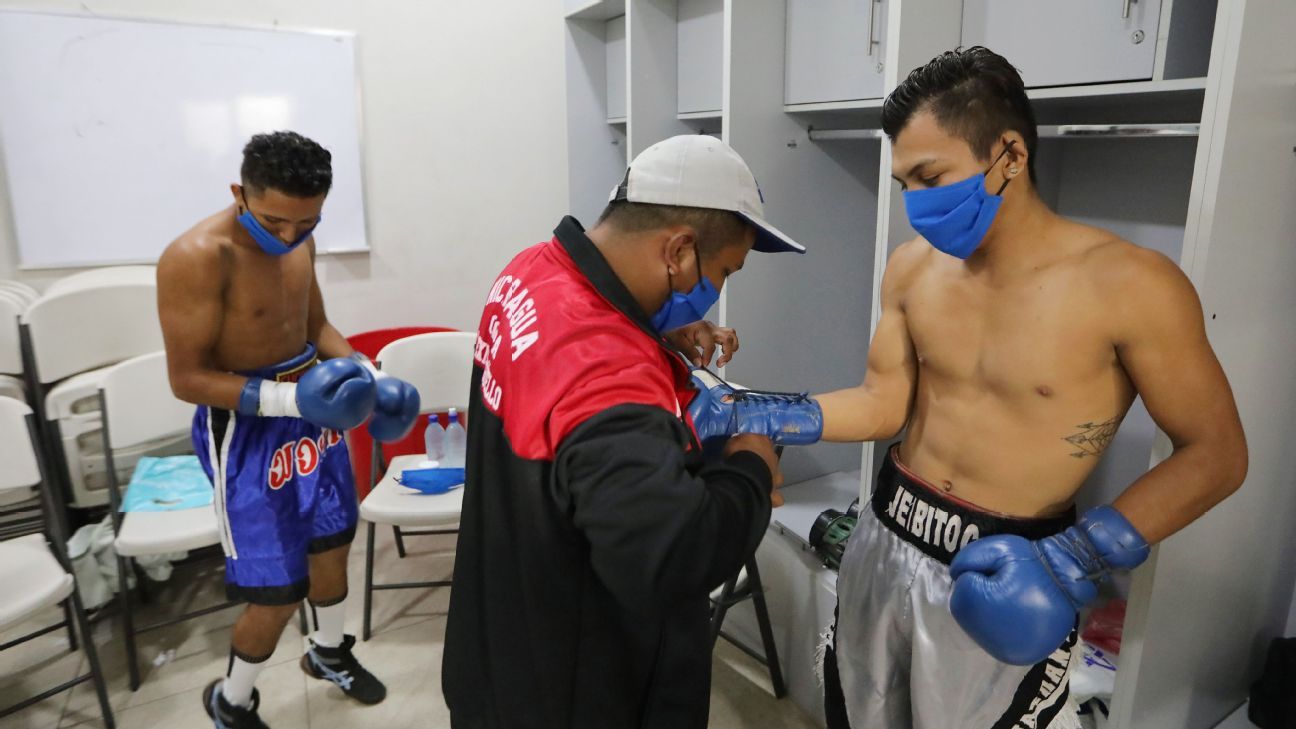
{"x": 595, "y": 9}
{"x": 851, "y": 105}
{"x": 694, "y": 115}
{"x": 803, "y": 502}
{"x": 1132, "y": 88}
{"x": 618, "y": 120}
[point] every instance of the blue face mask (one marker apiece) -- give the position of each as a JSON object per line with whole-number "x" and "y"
{"x": 269, "y": 242}
{"x": 954, "y": 218}
{"x": 684, "y": 309}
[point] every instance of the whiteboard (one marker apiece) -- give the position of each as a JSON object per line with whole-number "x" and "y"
{"x": 118, "y": 135}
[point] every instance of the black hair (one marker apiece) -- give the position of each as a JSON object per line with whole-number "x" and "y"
{"x": 974, "y": 93}
{"x": 287, "y": 162}
{"x": 715, "y": 228}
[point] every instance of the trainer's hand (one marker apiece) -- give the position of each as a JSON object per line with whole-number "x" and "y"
{"x": 336, "y": 393}
{"x": 1018, "y": 599}
{"x": 763, "y": 447}
{"x": 698, "y": 342}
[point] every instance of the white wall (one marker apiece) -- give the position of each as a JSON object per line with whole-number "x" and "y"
{"x": 465, "y": 157}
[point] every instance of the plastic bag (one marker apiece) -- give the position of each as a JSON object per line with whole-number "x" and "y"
{"x": 1104, "y": 626}
{"x": 167, "y": 484}
{"x": 94, "y": 563}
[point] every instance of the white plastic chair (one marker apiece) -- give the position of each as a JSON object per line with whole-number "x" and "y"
{"x": 138, "y": 407}
{"x": 81, "y": 328}
{"x": 439, "y": 365}
{"x": 84, "y": 328}
{"x": 109, "y": 276}
{"x": 10, "y": 346}
{"x": 18, "y": 299}
{"x": 11, "y": 386}
{"x": 19, "y": 507}
{"x": 24, "y": 291}
{"x": 34, "y": 569}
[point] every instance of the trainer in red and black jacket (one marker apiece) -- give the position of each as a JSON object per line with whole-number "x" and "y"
{"x": 592, "y": 529}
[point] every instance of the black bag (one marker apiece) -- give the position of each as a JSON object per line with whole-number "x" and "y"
{"x": 1273, "y": 697}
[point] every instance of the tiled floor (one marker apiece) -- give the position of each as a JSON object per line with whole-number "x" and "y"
{"x": 405, "y": 651}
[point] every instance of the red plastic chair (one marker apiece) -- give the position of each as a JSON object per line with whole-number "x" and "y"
{"x": 359, "y": 442}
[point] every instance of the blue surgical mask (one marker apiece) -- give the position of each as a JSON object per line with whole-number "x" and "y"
{"x": 684, "y": 309}
{"x": 954, "y": 218}
{"x": 269, "y": 242}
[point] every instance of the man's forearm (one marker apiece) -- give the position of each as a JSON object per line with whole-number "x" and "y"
{"x": 209, "y": 387}
{"x": 858, "y": 414}
{"x": 1181, "y": 488}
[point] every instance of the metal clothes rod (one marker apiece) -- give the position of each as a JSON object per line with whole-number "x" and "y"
{"x": 1053, "y": 131}
{"x": 827, "y": 135}
{"x": 1120, "y": 130}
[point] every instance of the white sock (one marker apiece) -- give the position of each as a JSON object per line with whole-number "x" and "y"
{"x": 329, "y": 622}
{"x": 241, "y": 677}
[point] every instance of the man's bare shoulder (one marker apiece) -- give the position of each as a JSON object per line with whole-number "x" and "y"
{"x": 1117, "y": 265}
{"x": 206, "y": 248}
{"x": 1142, "y": 289}
{"x": 906, "y": 261}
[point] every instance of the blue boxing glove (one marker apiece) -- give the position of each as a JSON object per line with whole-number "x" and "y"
{"x": 397, "y": 405}
{"x": 785, "y": 418}
{"x": 336, "y": 393}
{"x": 1018, "y": 599}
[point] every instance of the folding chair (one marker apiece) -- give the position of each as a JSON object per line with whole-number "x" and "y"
{"x": 35, "y": 569}
{"x": 137, "y": 406}
{"x": 75, "y": 329}
{"x": 439, "y": 365}
{"x": 746, "y": 585}
{"x": 23, "y": 291}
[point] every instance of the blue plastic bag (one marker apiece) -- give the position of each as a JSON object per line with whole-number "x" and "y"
{"x": 431, "y": 481}
{"x": 167, "y": 484}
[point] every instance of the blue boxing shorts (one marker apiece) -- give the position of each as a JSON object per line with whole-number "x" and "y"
{"x": 284, "y": 490}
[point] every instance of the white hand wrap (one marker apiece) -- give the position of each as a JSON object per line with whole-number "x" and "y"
{"x": 279, "y": 400}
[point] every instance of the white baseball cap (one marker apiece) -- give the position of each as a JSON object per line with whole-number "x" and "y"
{"x": 700, "y": 171}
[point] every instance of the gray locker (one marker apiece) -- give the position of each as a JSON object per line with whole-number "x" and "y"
{"x": 1064, "y": 42}
{"x": 616, "y": 68}
{"x": 701, "y": 55}
{"x": 834, "y": 50}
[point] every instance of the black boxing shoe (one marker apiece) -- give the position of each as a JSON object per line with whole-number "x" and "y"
{"x": 340, "y": 666}
{"x": 225, "y": 715}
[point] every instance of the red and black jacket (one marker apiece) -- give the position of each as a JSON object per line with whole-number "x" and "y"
{"x": 592, "y": 529}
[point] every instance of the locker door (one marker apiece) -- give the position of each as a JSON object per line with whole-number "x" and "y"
{"x": 701, "y": 55}
{"x": 616, "y": 67}
{"x": 1062, "y": 42}
{"x": 834, "y": 50}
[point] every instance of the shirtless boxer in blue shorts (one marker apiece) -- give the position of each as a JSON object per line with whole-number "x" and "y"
{"x": 276, "y": 385}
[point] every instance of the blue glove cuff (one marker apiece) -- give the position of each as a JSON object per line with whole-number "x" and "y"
{"x": 250, "y": 397}
{"x": 792, "y": 418}
{"x": 1114, "y": 541}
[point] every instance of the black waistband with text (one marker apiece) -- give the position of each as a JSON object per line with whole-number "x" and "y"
{"x": 940, "y": 525}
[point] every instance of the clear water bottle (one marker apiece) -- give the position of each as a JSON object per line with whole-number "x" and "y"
{"x": 456, "y": 442}
{"x": 434, "y": 439}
